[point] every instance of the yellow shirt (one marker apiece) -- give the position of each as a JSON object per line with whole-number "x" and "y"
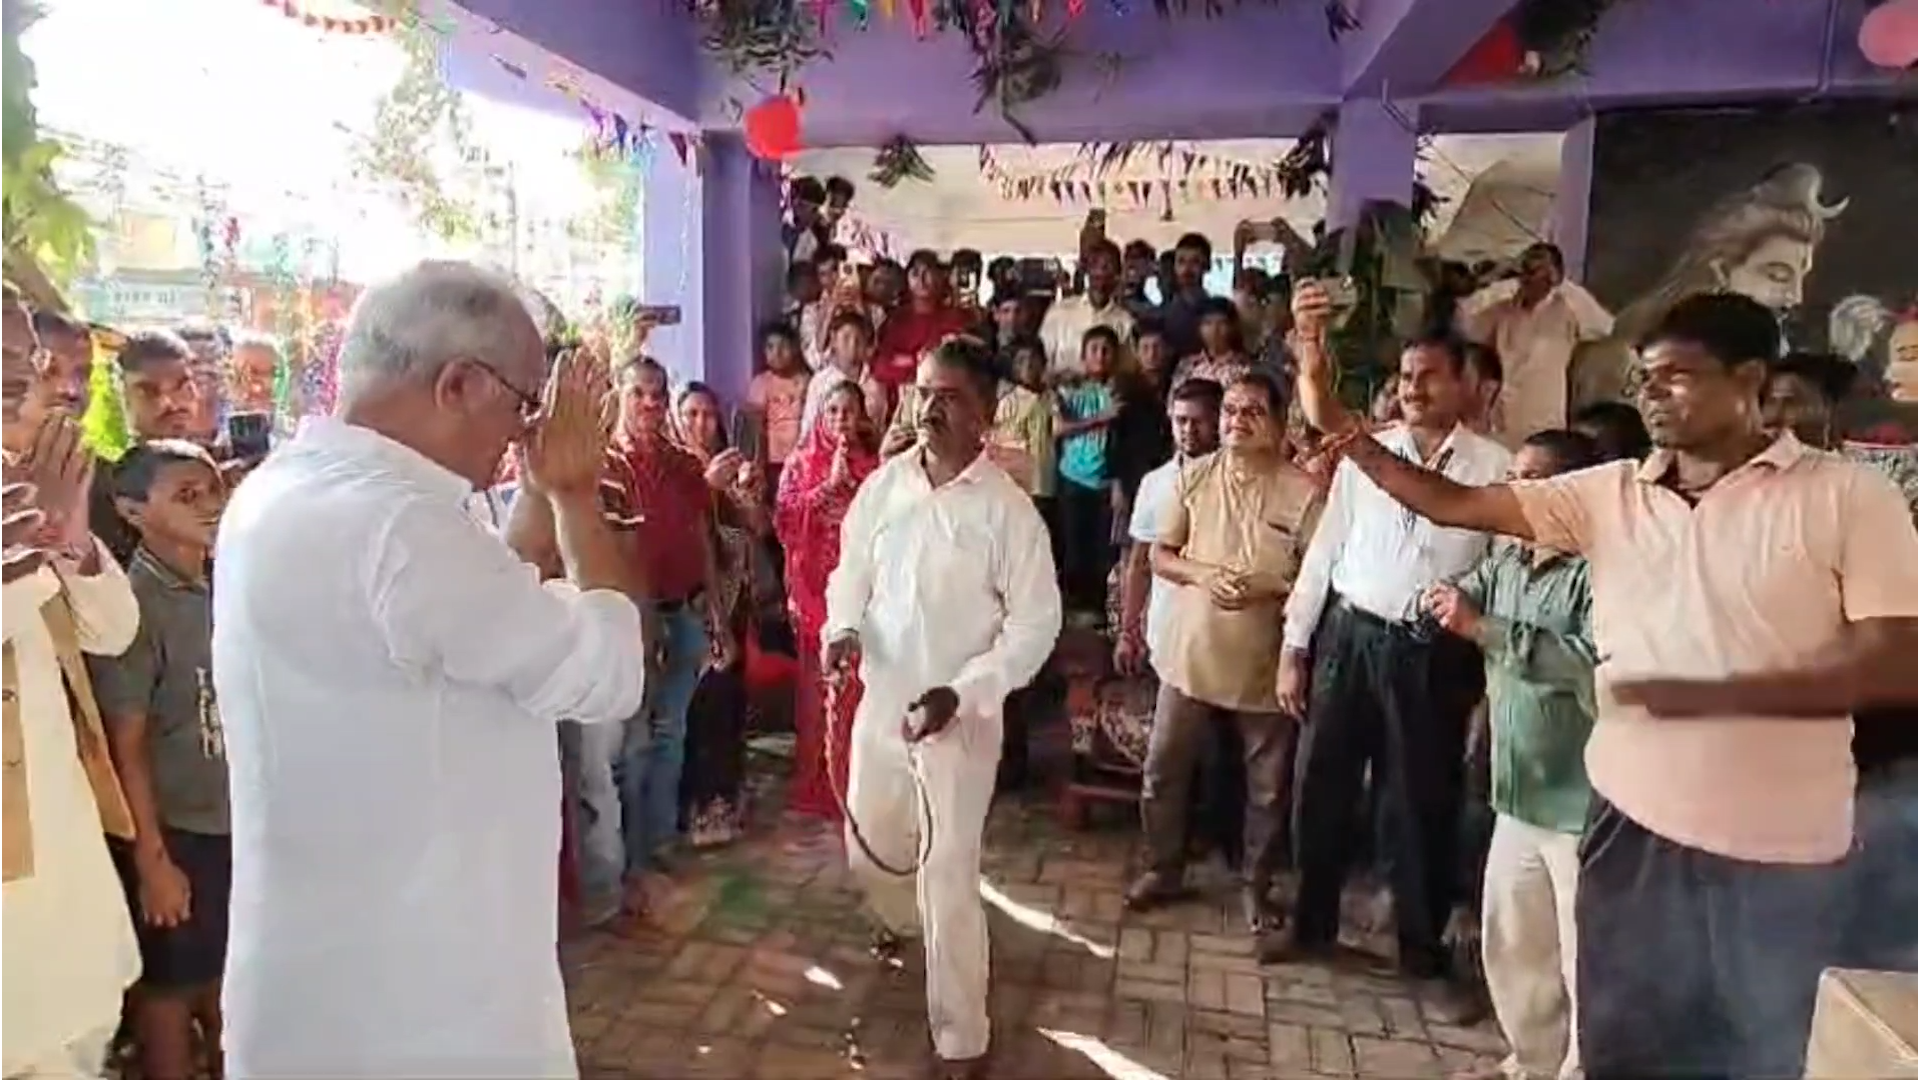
{"x": 1024, "y": 418}
{"x": 1253, "y": 522}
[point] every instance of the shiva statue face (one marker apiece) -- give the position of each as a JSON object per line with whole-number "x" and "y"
{"x": 1773, "y": 273}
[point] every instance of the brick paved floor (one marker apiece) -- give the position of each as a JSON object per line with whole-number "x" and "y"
{"x": 759, "y": 968}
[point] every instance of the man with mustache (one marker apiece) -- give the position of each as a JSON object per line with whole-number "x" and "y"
{"x": 1751, "y": 596}
{"x": 163, "y": 400}
{"x": 1386, "y": 690}
{"x": 945, "y": 598}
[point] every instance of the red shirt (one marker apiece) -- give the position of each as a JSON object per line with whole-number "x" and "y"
{"x": 660, "y": 494}
{"x": 908, "y": 333}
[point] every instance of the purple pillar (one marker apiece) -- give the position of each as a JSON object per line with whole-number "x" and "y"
{"x": 671, "y": 268}
{"x": 1373, "y": 159}
{"x": 741, "y": 260}
{"x": 1573, "y": 196}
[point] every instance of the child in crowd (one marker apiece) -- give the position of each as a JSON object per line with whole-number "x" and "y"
{"x": 1023, "y": 419}
{"x": 167, "y": 744}
{"x": 851, "y": 338}
{"x": 776, "y": 398}
{"x": 1087, "y": 406}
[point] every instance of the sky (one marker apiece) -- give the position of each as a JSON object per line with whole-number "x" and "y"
{"x": 266, "y": 107}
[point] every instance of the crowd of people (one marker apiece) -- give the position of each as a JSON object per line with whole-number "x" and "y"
{"x": 1624, "y": 686}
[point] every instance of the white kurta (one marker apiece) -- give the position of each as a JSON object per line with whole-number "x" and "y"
{"x": 390, "y": 675}
{"x": 950, "y": 586}
{"x": 1536, "y": 347}
{"x": 69, "y": 950}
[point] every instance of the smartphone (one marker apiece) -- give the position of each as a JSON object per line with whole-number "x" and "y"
{"x": 658, "y": 314}
{"x": 249, "y": 434}
{"x": 746, "y": 434}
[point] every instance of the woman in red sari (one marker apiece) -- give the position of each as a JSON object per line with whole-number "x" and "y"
{"x": 816, "y": 487}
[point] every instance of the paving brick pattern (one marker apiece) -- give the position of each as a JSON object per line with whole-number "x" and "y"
{"x": 759, "y": 968}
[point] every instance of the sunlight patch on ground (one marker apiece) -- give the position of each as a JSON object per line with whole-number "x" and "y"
{"x": 1042, "y": 922}
{"x": 820, "y": 976}
{"x": 1111, "y": 1061}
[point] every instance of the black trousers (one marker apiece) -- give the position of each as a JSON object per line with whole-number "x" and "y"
{"x": 1086, "y": 545}
{"x": 1693, "y": 964}
{"x": 1387, "y": 696}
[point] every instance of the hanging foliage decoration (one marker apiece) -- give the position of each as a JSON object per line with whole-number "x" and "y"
{"x": 1538, "y": 39}
{"x": 899, "y": 160}
{"x": 756, "y": 38}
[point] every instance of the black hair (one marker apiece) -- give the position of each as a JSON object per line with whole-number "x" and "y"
{"x": 924, "y": 257}
{"x": 966, "y": 258}
{"x": 1148, "y": 327}
{"x": 1831, "y": 375}
{"x": 1000, "y": 265}
{"x": 777, "y": 328}
{"x": 1224, "y": 308}
{"x": 1571, "y": 450}
{"x": 1619, "y": 430}
{"x": 145, "y": 347}
{"x": 1105, "y": 333}
{"x": 1201, "y": 391}
{"x": 1732, "y": 328}
{"x": 1552, "y": 251}
{"x": 1270, "y": 389}
{"x": 829, "y": 253}
{"x": 839, "y": 185}
{"x": 54, "y": 324}
{"x": 629, "y": 370}
{"x": 887, "y": 263}
{"x": 1101, "y": 247}
{"x": 800, "y": 271}
{"x": 133, "y": 475}
{"x": 806, "y": 189}
{"x": 1027, "y": 343}
{"x": 1484, "y": 362}
{"x": 972, "y": 358}
{"x": 1194, "y": 241}
{"x": 848, "y": 317}
{"x": 1137, "y": 249}
{"x": 1447, "y": 343}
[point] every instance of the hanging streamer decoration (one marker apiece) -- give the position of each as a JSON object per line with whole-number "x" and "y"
{"x": 899, "y": 160}
{"x": 324, "y": 17}
{"x": 1095, "y": 177}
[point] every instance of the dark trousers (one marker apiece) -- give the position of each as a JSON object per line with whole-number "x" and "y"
{"x": 1181, "y": 727}
{"x": 1386, "y": 695}
{"x": 1693, "y": 964}
{"x": 1086, "y": 545}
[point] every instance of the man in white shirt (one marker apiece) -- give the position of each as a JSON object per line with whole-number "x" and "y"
{"x": 1070, "y": 317}
{"x": 946, "y": 599}
{"x": 69, "y": 946}
{"x": 390, "y": 675}
{"x": 1194, "y": 412}
{"x": 1535, "y": 327}
{"x": 1387, "y": 690}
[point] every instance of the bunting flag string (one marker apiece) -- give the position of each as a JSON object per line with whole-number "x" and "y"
{"x": 351, "y": 20}
{"x": 613, "y": 136}
{"x": 1090, "y": 178}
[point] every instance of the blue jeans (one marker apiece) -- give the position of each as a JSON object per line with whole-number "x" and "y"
{"x": 1879, "y": 930}
{"x": 624, "y": 776}
{"x": 1693, "y": 964}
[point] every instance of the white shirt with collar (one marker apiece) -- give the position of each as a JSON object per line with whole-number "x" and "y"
{"x": 69, "y": 943}
{"x": 390, "y": 675}
{"x": 1149, "y": 508}
{"x": 949, "y": 586}
{"x": 1379, "y": 555}
{"x": 1068, "y": 321}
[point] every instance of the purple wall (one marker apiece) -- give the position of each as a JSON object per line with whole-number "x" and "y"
{"x": 741, "y": 261}
{"x": 649, "y": 47}
{"x": 1257, "y": 72}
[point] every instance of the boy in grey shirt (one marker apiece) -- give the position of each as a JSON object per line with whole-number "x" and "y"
{"x": 163, "y": 729}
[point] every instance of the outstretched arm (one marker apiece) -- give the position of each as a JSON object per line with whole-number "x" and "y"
{"x": 1312, "y": 313}
{"x": 1492, "y": 508}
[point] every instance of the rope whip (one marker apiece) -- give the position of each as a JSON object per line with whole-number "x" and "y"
{"x": 833, "y": 684}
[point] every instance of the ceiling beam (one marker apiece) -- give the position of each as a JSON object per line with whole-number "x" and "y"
{"x": 1404, "y": 47}
{"x": 648, "y": 48}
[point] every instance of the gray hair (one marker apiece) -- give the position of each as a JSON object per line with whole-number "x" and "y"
{"x": 411, "y": 326}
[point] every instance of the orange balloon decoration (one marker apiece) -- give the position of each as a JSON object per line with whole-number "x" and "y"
{"x": 773, "y": 128}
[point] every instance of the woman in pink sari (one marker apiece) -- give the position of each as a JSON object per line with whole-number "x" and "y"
{"x": 816, "y": 488}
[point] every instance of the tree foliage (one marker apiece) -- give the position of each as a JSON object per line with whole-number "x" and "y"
{"x": 615, "y": 215}
{"x": 48, "y": 236}
{"x": 422, "y": 145}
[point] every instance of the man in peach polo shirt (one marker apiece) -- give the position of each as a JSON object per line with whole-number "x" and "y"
{"x": 1750, "y": 594}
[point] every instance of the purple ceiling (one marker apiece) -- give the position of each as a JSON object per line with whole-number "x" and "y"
{"x": 1261, "y": 70}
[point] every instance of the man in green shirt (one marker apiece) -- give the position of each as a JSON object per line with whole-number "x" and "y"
{"x": 1528, "y": 609}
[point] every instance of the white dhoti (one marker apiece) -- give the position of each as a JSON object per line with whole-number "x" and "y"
{"x": 942, "y": 901}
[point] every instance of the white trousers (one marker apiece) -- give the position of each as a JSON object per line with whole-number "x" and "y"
{"x": 1527, "y": 934}
{"x": 957, "y": 768}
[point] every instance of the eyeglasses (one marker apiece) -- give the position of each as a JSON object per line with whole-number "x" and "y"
{"x": 530, "y": 404}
